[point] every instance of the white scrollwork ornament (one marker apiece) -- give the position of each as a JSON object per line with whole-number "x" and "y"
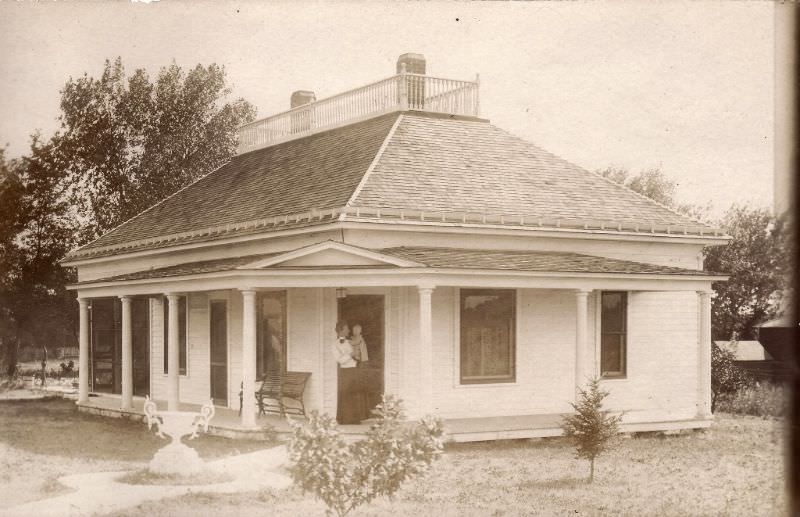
{"x": 151, "y": 416}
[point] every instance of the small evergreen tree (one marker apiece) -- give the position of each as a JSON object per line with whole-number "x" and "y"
{"x": 591, "y": 428}
{"x": 346, "y": 476}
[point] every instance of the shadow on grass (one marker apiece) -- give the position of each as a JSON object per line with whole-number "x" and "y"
{"x": 554, "y": 484}
{"x": 508, "y": 445}
{"x": 56, "y": 427}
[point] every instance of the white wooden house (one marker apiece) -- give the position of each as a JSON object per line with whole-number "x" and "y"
{"x": 491, "y": 278}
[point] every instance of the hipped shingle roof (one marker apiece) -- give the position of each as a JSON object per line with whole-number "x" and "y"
{"x": 428, "y": 163}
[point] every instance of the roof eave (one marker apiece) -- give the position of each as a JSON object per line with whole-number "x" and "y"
{"x": 403, "y": 271}
{"x": 71, "y": 260}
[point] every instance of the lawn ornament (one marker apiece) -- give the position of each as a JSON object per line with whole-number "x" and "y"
{"x": 176, "y": 458}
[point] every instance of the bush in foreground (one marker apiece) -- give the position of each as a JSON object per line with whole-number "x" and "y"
{"x": 760, "y": 399}
{"x": 591, "y": 428}
{"x": 346, "y": 476}
{"x": 726, "y": 377}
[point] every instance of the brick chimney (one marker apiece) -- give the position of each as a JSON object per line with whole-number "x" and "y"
{"x": 302, "y": 120}
{"x": 301, "y": 97}
{"x": 415, "y": 63}
{"x": 414, "y": 86}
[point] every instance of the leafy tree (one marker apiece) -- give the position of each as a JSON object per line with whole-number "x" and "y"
{"x": 758, "y": 257}
{"x": 37, "y": 230}
{"x": 346, "y": 476}
{"x": 591, "y": 428}
{"x": 726, "y": 377}
{"x": 124, "y": 144}
{"x": 758, "y": 260}
{"x": 128, "y": 142}
{"x": 11, "y": 191}
{"x": 652, "y": 183}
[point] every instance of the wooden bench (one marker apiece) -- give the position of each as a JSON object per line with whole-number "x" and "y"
{"x": 276, "y": 388}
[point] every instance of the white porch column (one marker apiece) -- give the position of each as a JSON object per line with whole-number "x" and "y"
{"x": 127, "y": 353}
{"x": 704, "y": 354}
{"x": 425, "y": 350}
{"x": 83, "y": 361}
{"x": 248, "y": 358}
{"x": 581, "y": 338}
{"x": 173, "y": 353}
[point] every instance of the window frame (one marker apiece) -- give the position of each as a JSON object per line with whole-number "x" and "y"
{"x": 622, "y": 373}
{"x": 504, "y": 380}
{"x": 182, "y": 372}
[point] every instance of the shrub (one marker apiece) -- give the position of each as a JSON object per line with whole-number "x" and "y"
{"x": 68, "y": 369}
{"x": 760, "y": 399}
{"x": 346, "y": 476}
{"x": 591, "y": 428}
{"x": 726, "y": 377}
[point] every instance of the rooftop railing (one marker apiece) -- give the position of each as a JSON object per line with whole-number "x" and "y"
{"x": 398, "y": 93}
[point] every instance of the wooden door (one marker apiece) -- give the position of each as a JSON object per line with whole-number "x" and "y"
{"x": 219, "y": 352}
{"x": 367, "y": 310}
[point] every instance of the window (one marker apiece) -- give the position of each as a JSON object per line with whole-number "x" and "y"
{"x": 181, "y": 335}
{"x": 488, "y": 328}
{"x": 613, "y": 333}
{"x": 271, "y": 344}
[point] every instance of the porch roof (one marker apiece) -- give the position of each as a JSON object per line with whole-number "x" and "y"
{"x": 431, "y": 258}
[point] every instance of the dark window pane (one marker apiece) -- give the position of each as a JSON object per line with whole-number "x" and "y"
{"x": 611, "y": 358}
{"x": 487, "y": 335}
{"x": 271, "y": 344}
{"x": 613, "y": 333}
{"x": 612, "y": 313}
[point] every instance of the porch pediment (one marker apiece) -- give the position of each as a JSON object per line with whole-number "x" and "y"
{"x": 330, "y": 254}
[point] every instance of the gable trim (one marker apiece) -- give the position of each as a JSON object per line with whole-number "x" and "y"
{"x": 364, "y": 253}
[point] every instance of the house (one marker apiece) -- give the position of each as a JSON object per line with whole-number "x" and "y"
{"x": 491, "y": 278}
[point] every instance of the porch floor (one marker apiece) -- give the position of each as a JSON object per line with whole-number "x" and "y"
{"x": 227, "y": 422}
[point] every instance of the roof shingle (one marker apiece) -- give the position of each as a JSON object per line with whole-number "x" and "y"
{"x": 319, "y": 171}
{"x": 433, "y": 163}
{"x": 440, "y": 164}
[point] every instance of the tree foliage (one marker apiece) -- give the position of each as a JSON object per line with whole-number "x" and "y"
{"x": 129, "y": 142}
{"x": 124, "y": 144}
{"x": 726, "y": 377}
{"x": 758, "y": 257}
{"x": 652, "y": 183}
{"x": 345, "y": 476}
{"x": 591, "y": 428}
{"x": 37, "y": 229}
{"x": 758, "y": 260}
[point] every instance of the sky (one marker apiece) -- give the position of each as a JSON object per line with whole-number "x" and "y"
{"x": 687, "y": 87}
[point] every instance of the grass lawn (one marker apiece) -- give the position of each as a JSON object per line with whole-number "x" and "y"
{"x": 42, "y": 440}
{"x": 736, "y": 468}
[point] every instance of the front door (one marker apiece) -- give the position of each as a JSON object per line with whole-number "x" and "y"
{"x": 219, "y": 352}
{"x": 367, "y": 312}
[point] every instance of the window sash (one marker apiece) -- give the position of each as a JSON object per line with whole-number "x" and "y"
{"x": 614, "y": 343}
{"x": 493, "y": 336}
{"x": 182, "y": 332}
